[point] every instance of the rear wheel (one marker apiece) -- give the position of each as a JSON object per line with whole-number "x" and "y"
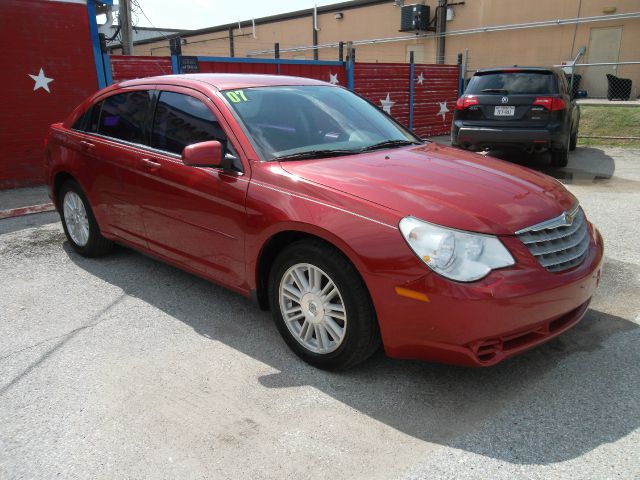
{"x": 79, "y": 223}
{"x": 560, "y": 157}
{"x": 573, "y": 142}
{"x": 322, "y": 307}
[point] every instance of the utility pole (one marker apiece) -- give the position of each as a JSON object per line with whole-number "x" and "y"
{"x": 126, "y": 30}
{"x": 441, "y": 28}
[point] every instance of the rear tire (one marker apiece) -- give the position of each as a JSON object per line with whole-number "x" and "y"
{"x": 79, "y": 223}
{"x": 573, "y": 142}
{"x": 327, "y": 329}
{"x": 560, "y": 158}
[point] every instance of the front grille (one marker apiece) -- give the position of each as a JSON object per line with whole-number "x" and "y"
{"x": 557, "y": 244}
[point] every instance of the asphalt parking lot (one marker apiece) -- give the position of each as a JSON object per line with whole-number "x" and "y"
{"x": 124, "y": 367}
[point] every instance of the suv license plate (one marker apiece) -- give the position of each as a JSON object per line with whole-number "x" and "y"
{"x": 501, "y": 111}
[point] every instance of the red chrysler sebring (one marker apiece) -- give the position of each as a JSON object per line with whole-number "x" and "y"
{"x": 309, "y": 199}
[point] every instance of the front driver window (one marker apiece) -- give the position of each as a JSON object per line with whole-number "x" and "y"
{"x": 181, "y": 120}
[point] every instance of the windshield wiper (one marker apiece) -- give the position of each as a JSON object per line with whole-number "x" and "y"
{"x": 387, "y": 144}
{"x": 494, "y": 90}
{"x": 315, "y": 154}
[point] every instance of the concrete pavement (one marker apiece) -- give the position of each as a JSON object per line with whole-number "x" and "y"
{"x": 124, "y": 367}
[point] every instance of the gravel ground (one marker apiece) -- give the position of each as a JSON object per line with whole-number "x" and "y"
{"x": 123, "y": 367}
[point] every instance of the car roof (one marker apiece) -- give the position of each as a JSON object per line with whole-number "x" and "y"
{"x": 223, "y": 81}
{"x": 515, "y": 68}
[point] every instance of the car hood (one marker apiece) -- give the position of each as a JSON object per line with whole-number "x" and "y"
{"x": 443, "y": 185}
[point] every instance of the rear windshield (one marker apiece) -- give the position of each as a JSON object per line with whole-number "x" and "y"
{"x": 512, "y": 83}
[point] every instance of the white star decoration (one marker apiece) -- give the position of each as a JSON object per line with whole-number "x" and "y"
{"x": 387, "y": 104}
{"x": 420, "y": 79}
{"x": 443, "y": 109}
{"x": 41, "y": 81}
{"x": 333, "y": 79}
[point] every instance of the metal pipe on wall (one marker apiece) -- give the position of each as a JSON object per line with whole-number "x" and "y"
{"x": 498, "y": 28}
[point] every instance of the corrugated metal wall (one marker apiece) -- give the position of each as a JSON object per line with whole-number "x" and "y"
{"x": 388, "y": 86}
{"x": 434, "y": 100}
{"x": 129, "y": 67}
{"x": 51, "y": 42}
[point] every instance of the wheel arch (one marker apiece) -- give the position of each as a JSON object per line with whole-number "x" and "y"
{"x": 278, "y": 241}
{"x": 59, "y": 179}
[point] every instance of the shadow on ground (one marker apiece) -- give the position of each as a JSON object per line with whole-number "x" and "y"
{"x": 549, "y": 405}
{"x": 586, "y": 164}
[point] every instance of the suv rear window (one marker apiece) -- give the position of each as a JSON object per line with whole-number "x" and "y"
{"x": 513, "y": 83}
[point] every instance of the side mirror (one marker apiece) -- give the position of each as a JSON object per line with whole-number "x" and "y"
{"x": 204, "y": 154}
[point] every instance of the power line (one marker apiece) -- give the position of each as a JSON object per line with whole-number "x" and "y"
{"x": 136, "y": 4}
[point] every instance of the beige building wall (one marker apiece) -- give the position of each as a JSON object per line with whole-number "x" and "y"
{"x": 527, "y": 46}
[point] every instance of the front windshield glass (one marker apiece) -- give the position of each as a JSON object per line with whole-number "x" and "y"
{"x": 313, "y": 121}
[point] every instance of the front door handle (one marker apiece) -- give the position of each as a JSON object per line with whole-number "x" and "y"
{"x": 150, "y": 165}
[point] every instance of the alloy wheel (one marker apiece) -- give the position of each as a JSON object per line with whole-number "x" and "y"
{"x": 312, "y": 308}
{"x": 75, "y": 218}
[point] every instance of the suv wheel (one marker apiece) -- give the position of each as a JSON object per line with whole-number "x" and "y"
{"x": 79, "y": 223}
{"x": 573, "y": 142}
{"x": 322, "y": 307}
{"x": 560, "y": 158}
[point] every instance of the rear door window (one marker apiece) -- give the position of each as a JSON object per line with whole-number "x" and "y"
{"x": 123, "y": 116}
{"x": 181, "y": 120}
{"x": 513, "y": 83}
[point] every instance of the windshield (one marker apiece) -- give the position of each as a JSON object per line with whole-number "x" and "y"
{"x": 513, "y": 83}
{"x": 313, "y": 121}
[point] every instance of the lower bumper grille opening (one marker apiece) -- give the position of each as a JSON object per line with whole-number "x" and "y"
{"x": 522, "y": 340}
{"x": 563, "y": 321}
{"x": 487, "y": 350}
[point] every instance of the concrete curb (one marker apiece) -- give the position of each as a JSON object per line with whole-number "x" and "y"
{"x": 18, "y": 212}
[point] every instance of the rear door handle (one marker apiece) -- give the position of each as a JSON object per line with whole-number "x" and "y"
{"x": 87, "y": 145}
{"x": 150, "y": 165}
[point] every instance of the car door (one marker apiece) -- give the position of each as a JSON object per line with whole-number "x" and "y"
{"x": 194, "y": 215}
{"x": 115, "y": 133}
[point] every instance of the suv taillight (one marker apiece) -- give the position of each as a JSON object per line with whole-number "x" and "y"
{"x": 550, "y": 103}
{"x": 466, "y": 101}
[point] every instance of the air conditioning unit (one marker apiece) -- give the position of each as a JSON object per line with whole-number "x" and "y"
{"x": 414, "y": 18}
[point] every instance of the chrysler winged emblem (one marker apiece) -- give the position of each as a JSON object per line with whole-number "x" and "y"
{"x": 568, "y": 218}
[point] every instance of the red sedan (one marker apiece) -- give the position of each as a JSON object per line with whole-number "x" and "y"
{"x": 309, "y": 199}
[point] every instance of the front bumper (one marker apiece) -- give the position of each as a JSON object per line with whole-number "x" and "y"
{"x": 473, "y": 137}
{"x": 485, "y": 322}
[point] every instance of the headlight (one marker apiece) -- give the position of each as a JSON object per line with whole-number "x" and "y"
{"x": 454, "y": 254}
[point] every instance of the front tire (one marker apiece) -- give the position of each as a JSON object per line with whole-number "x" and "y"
{"x": 322, "y": 307}
{"x": 79, "y": 223}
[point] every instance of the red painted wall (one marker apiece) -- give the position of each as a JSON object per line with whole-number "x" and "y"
{"x": 440, "y": 85}
{"x": 52, "y": 36}
{"x": 224, "y": 67}
{"x": 124, "y": 67}
{"x": 319, "y": 72}
{"x": 437, "y": 93}
{"x": 376, "y": 81}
